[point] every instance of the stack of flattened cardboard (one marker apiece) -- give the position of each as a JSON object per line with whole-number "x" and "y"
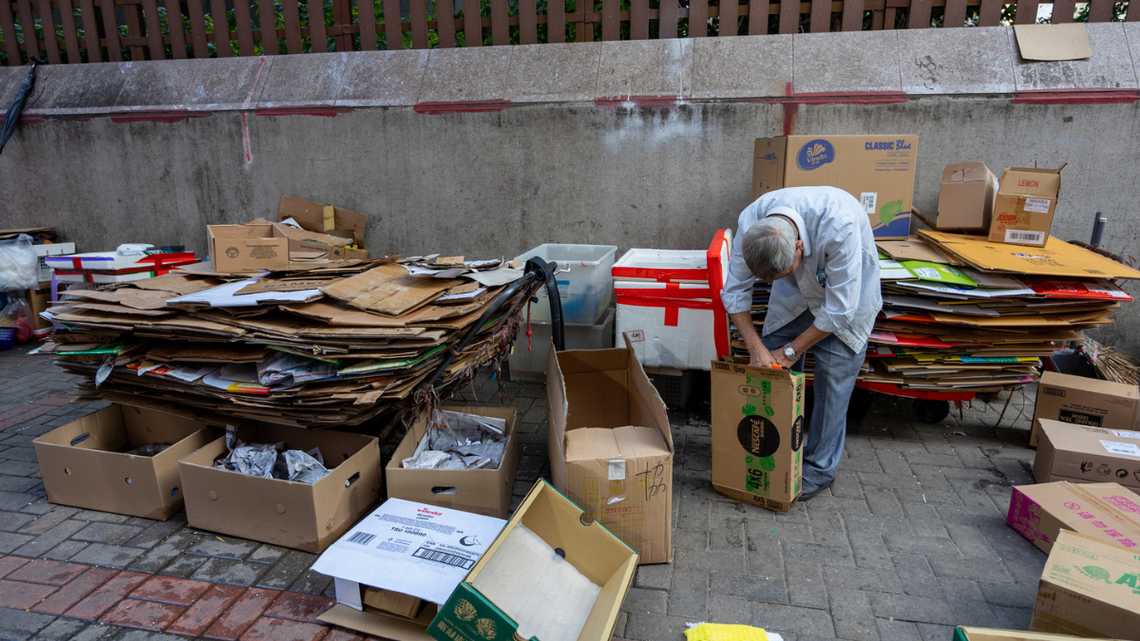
{"x": 336, "y": 343}
{"x": 963, "y": 314}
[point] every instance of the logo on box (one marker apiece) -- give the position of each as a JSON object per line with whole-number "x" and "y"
{"x": 815, "y": 154}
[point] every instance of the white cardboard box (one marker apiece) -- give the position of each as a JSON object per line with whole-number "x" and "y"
{"x": 55, "y": 249}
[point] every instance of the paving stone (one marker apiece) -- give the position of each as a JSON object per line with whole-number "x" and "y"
{"x": 657, "y": 577}
{"x": 789, "y": 621}
{"x": 232, "y": 549}
{"x": 639, "y": 601}
{"x": 100, "y": 517}
{"x": 148, "y": 615}
{"x": 229, "y": 571}
{"x": 64, "y": 551}
{"x": 806, "y": 587}
{"x": 729, "y": 610}
{"x": 268, "y": 629}
{"x": 989, "y": 570}
{"x": 851, "y": 615}
{"x": 105, "y": 596}
{"x": 906, "y": 607}
{"x": 689, "y": 594}
{"x": 206, "y": 610}
{"x": 18, "y": 468}
{"x": 651, "y": 627}
{"x": 168, "y": 589}
{"x": 9, "y": 564}
{"x": 17, "y": 624}
{"x": 110, "y": 556}
{"x": 749, "y": 588}
{"x": 299, "y": 607}
{"x": 311, "y": 583}
{"x": 67, "y": 596}
{"x": 891, "y": 630}
{"x": 10, "y": 541}
{"x": 109, "y": 533}
{"x": 47, "y": 572}
{"x": 61, "y": 629}
{"x": 877, "y": 579}
{"x": 267, "y": 553}
{"x": 287, "y": 570}
{"x": 916, "y": 576}
{"x": 185, "y": 566}
{"x": 51, "y": 538}
{"x": 158, "y": 532}
{"x": 968, "y": 603}
{"x": 45, "y": 522}
{"x": 935, "y": 632}
{"x": 16, "y": 595}
{"x": 241, "y": 614}
{"x": 709, "y": 561}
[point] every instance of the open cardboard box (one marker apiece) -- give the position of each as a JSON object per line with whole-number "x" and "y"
{"x": 611, "y": 449}
{"x": 83, "y": 463}
{"x": 590, "y": 548}
{"x": 302, "y": 516}
{"x": 486, "y": 492}
{"x": 1084, "y": 401}
{"x": 962, "y": 633}
{"x": 314, "y": 217}
{"x": 269, "y": 246}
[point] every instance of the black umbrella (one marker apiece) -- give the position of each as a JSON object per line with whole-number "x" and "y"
{"x": 17, "y": 107}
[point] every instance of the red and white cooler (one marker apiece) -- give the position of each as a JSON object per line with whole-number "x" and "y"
{"x": 668, "y": 304}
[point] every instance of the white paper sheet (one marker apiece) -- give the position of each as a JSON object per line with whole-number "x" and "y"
{"x": 224, "y": 296}
{"x": 411, "y": 548}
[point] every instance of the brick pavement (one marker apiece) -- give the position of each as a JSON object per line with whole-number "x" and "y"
{"x": 909, "y": 541}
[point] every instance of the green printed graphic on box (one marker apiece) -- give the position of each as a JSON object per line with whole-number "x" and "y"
{"x": 469, "y": 616}
{"x": 757, "y": 480}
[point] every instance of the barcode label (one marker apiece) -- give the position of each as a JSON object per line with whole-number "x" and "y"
{"x": 1024, "y": 236}
{"x": 361, "y": 538}
{"x": 444, "y": 558}
{"x": 1037, "y": 205}
{"x": 869, "y": 200}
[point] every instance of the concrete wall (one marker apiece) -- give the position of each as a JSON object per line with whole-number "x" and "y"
{"x": 490, "y": 151}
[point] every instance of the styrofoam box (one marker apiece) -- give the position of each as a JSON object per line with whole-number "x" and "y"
{"x": 54, "y": 249}
{"x": 688, "y": 345}
{"x": 584, "y": 282}
{"x": 531, "y": 364}
{"x": 662, "y": 265}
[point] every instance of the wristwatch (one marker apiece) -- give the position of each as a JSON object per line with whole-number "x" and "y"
{"x": 790, "y": 352}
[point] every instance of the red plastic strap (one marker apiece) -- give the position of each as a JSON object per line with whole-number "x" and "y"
{"x": 77, "y": 262}
{"x": 672, "y": 306}
{"x": 660, "y": 275}
{"x": 672, "y": 290}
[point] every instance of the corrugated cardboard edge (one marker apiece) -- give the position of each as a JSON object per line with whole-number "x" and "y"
{"x": 375, "y": 623}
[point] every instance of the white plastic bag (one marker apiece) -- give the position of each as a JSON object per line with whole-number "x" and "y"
{"x": 19, "y": 267}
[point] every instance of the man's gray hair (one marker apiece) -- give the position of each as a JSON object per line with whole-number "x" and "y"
{"x": 769, "y": 247}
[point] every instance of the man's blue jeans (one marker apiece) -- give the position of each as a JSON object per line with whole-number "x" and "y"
{"x": 836, "y": 368}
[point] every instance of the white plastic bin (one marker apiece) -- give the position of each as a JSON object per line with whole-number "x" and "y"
{"x": 662, "y": 266}
{"x": 584, "y": 282}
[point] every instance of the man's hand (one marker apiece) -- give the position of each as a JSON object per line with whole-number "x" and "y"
{"x": 782, "y": 360}
{"x": 759, "y": 356}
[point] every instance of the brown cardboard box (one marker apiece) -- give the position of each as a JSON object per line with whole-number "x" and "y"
{"x": 255, "y": 247}
{"x": 1068, "y": 452}
{"x": 1023, "y": 211}
{"x": 1089, "y": 589}
{"x": 83, "y": 463}
{"x": 590, "y": 548}
{"x": 962, "y": 633}
{"x": 966, "y": 198}
{"x": 486, "y": 492}
{"x": 1085, "y": 401}
{"x": 1106, "y": 511}
{"x": 757, "y": 434}
{"x": 294, "y": 515}
{"x": 39, "y": 300}
{"x": 311, "y": 216}
{"x": 611, "y": 450}
{"x": 876, "y": 170}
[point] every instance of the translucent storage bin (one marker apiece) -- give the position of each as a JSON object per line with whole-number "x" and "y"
{"x": 531, "y": 364}
{"x": 584, "y": 282}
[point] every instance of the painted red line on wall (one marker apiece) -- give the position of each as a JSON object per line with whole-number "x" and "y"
{"x": 304, "y": 110}
{"x": 653, "y": 102}
{"x": 157, "y": 116}
{"x": 829, "y": 98}
{"x": 1077, "y": 96}
{"x": 26, "y": 119}
{"x": 462, "y": 107}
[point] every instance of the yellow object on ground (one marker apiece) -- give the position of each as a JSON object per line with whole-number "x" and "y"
{"x": 725, "y": 632}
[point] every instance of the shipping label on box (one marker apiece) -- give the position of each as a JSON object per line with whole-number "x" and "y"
{"x": 877, "y": 170}
{"x": 1085, "y": 401}
{"x": 1088, "y": 588}
{"x": 1107, "y": 511}
{"x": 1023, "y": 211}
{"x": 757, "y": 434}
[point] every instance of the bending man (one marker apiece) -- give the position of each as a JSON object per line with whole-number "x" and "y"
{"x": 815, "y": 245}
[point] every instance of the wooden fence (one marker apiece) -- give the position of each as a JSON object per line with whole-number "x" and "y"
{"x": 69, "y": 31}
